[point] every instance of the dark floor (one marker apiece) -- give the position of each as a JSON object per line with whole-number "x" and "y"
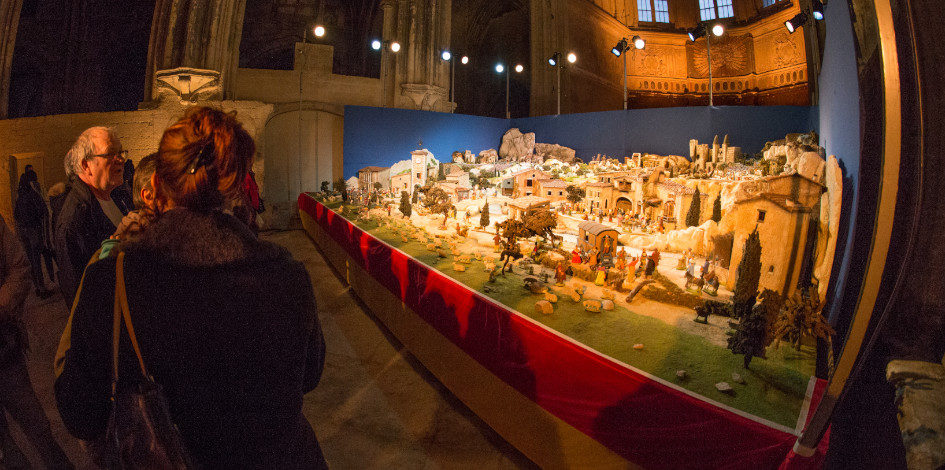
{"x": 376, "y": 406}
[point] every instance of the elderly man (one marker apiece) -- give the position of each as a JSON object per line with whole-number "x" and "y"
{"x": 92, "y": 208}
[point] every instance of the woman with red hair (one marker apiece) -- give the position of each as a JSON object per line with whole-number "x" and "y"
{"x": 226, "y": 324}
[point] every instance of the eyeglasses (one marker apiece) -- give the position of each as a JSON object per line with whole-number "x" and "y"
{"x": 123, "y": 155}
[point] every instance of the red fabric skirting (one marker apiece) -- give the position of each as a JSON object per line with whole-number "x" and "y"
{"x": 647, "y": 422}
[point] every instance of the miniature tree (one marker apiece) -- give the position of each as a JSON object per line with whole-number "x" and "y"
{"x": 771, "y": 304}
{"x": 405, "y": 207}
{"x": 416, "y": 194}
{"x": 541, "y": 222}
{"x": 692, "y": 218}
{"x": 575, "y": 194}
{"x": 438, "y": 202}
{"x": 717, "y": 209}
{"x": 341, "y": 187}
{"x": 801, "y": 317}
{"x": 749, "y": 338}
{"x": 484, "y": 216}
{"x": 325, "y": 187}
{"x": 748, "y": 275}
{"x": 377, "y": 186}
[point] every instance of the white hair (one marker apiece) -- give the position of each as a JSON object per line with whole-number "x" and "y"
{"x": 83, "y": 149}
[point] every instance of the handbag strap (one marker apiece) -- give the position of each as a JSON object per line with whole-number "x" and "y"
{"x": 121, "y": 311}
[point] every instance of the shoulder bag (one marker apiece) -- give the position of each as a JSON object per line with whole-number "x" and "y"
{"x": 140, "y": 432}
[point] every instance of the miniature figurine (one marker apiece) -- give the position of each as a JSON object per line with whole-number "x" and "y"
{"x": 601, "y": 275}
{"x": 575, "y": 256}
{"x": 560, "y": 274}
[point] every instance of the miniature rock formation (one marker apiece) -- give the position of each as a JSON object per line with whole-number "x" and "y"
{"x": 517, "y": 146}
{"x": 724, "y": 387}
{"x": 682, "y": 375}
{"x": 544, "y": 307}
{"x": 555, "y": 151}
{"x": 593, "y": 306}
{"x": 607, "y": 305}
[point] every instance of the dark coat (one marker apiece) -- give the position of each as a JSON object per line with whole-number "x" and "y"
{"x": 79, "y": 229}
{"x": 227, "y": 325}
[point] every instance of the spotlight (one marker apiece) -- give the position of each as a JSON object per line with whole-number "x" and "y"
{"x": 572, "y": 57}
{"x": 553, "y": 60}
{"x": 376, "y": 45}
{"x": 793, "y": 23}
{"x": 395, "y": 46}
{"x": 519, "y": 68}
{"x": 638, "y": 42}
{"x": 319, "y": 31}
{"x": 499, "y": 68}
{"x": 464, "y": 60}
{"x": 817, "y": 10}
{"x": 446, "y": 55}
{"x": 697, "y": 32}
{"x": 620, "y": 48}
{"x": 718, "y": 29}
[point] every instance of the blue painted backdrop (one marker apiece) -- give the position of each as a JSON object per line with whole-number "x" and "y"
{"x": 383, "y": 136}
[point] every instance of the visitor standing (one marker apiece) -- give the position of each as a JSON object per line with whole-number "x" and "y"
{"x": 17, "y": 396}
{"x": 92, "y": 206}
{"x": 32, "y": 222}
{"x": 226, "y": 324}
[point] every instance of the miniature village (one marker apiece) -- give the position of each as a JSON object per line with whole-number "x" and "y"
{"x": 707, "y": 271}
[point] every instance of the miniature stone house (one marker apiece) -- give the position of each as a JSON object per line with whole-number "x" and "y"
{"x": 524, "y": 182}
{"x": 519, "y": 206}
{"x": 401, "y": 182}
{"x": 552, "y": 190}
{"x": 369, "y": 175}
{"x": 784, "y": 212}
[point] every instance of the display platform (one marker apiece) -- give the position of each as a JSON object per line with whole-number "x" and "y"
{"x": 561, "y": 403}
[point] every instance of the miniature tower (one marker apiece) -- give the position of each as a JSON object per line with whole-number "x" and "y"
{"x": 418, "y": 168}
{"x": 724, "y": 153}
{"x": 715, "y": 149}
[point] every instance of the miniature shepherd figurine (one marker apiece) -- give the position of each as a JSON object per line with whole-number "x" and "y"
{"x": 601, "y": 275}
{"x": 560, "y": 274}
{"x": 575, "y": 256}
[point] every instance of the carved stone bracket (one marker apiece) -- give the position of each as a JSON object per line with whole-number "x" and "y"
{"x": 426, "y": 97}
{"x": 187, "y": 84}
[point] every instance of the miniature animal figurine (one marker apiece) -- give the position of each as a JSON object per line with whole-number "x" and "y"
{"x": 431, "y": 247}
{"x": 441, "y": 253}
{"x": 462, "y": 231}
{"x": 490, "y": 266}
{"x": 458, "y": 267}
{"x": 535, "y": 286}
{"x": 405, "y": 239}
{"x": 465, "y": 259}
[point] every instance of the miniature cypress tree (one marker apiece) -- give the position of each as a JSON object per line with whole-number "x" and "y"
{"x": 717, "y": 209}
{"x": 405, "y": 207}
{"x": 748, "y": 275}
{"x": 416, "y": 194}
{"x": 749, "y": 338}
{"x": 325, "y": 187}
{"x": 484, "y": 216}
{"x": 692, "y": 218}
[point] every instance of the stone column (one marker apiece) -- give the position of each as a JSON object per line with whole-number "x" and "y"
{"x": 548, "y": 35}
{"x": 9, "y": 20}
{"x": 421, "y": 77}
{"x": 194, "y": 38}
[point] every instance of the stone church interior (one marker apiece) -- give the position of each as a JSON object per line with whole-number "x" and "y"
{"x": 373, "y": 86}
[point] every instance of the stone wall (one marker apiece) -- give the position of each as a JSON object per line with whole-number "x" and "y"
{"x": 44, "y": 141}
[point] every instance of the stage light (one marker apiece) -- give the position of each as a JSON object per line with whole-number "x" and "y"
{"x": 319, "y": 31}
{"x": 446, "y": 55}
{"x": 638, "y": 42}
{"x": 519, "y": 68}
{"x": 572, "y": 57}
{"x": 793, "y": 23}
{"x": 464, "y": 60}
{"x": 620, "y": 48}
{"x": 718, "y": 30}
{"x": 553, "y": 60}
{"x": 499, "y": 68}
{"x": 817, "y": 10}
{"x": 697, "y": 32}
{"x": 395, "y": 46}
{"x": 376, "y": 45}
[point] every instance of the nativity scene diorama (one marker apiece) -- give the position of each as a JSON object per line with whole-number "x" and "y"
{"x": 707, "y": 272}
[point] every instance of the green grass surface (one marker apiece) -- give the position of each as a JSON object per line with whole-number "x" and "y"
{"x": 774, "y": 388}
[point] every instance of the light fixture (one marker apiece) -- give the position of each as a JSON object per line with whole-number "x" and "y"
{"x": 793, "y": 23}
{"x": 620, "y": 48}
{"x": 572, "y": 57}
{"x": 638, "y": 42}
{"x": 446, "y": 55}
{"x": 519, "y": 68}
{"x": 376, "y": 45}
{"x": 499, "y": 68}
{"x": 464, "y": 60}
{"x": 319, "y": 31}
{"x": 697, "y": 32}
{"x": 718, "y": 29}
{"x": 553, "y": 60}
{"x": 395, "y": 46}
{"x": 817, "y": 10}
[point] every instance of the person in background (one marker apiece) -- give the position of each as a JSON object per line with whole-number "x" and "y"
{"x": 227, "y": 324}
{"x": 91, "y": 208}
{"x": 32, "y": 219}
{"x": 16, "y": 391}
